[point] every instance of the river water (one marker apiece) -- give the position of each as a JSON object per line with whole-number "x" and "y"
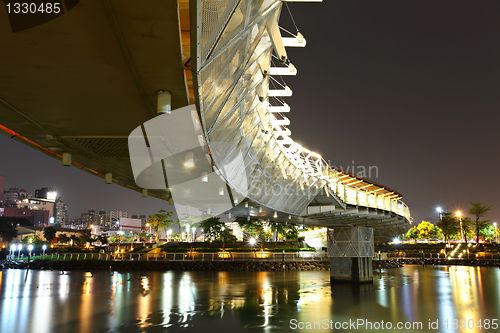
{"x": 173, "y": 301}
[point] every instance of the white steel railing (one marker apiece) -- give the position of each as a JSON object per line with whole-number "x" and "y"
{"x": 191, "y": 256}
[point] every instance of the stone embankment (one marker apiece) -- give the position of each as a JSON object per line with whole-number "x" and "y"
{"x": 223, "y": 265}
{"x": 166, "y": 265}
{"x": 392, "y": 263}
{"x": 457, "y": 262}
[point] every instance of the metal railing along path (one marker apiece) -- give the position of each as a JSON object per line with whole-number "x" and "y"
{"x": 191, "y": 256}
{"x": 468, "y": 256}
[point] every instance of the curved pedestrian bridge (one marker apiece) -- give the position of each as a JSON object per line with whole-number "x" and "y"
{"x": 80, "y": 83}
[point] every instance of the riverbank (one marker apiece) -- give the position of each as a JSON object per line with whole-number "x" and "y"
{"x": 167, "y": 265}
{"x": 162, "y": 265}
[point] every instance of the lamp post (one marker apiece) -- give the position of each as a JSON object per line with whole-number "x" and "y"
{"x": 12, "y": 250}
{"x": 19, "y": 248}
{"x": 44, "y": 247}
{"x": 188, "y": 231}
{"x": 459, "y": 214}
{"x": 496, "y": 236}
{"x": 193, "y": 228}
{"x": 30, "y": 248}
{"x": 439, "y": 210}
{"x": 149, "y": 225}
{"x": 169, "y": 233}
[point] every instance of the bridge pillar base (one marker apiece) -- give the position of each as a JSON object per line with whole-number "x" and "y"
{"x": 351, "y": 270}
{"x": 351, "y": 251}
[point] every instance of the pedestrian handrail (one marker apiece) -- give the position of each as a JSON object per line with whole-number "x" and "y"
{"x": 190, "y": 256}
{"x": 469, "y": 256}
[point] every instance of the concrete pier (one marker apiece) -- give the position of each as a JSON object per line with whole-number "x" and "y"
{"x": 351, "y": 270}
{"x": 351, "y": 251}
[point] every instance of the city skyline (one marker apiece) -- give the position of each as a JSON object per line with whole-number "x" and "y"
{"x": 417, "y": 81}
{"x": 70, "y": 182}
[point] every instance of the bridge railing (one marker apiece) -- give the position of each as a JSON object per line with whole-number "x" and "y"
{"x": 361, "y": 197}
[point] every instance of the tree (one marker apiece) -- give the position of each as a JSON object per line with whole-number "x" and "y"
{"x": 488, "y": 232}
{"x": 479, "y": 210}
{"x": 467, "y": 229}
{"x": 279, "y": 228}
{"x": 412, "y": 233}
{"x": 266, "y": 235}
{"x": 187, "y": 222}
{"x": 284, "y": 230}
{"x": 426, "y": 230}
{"x": 7, "y": 231}
{"x": 63, "y": 238}
{"x": 212, "y": 228}
{"x": 84, "y": 239}
{"x": 49, "y": 233}
{"x": 252, "y": 227}
{"x": 160, "y": 221}
{"x": 74, "y": 239}
{"x": 103, "y": 239}
{"x": 291, "y": 231}
{"x": 448, "y": 225}
{"x": 120, "y": 238}
{"x": 31, "y": 239}
{"x": 227, "y": 236}
{"x": 215, "y": 229}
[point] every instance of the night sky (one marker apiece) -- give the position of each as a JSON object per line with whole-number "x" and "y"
{"x": 409, "y": 87}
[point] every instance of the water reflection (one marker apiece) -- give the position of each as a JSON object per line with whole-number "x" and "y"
{"x": 50, "y": 301}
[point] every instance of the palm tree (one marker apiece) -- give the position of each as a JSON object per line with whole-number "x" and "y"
{"x": 479, "y": 210}
{"x": 73, "y": 239}
{"x": 49, "y": 233}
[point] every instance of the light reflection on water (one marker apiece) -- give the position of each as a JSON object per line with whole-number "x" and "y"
{"x": 78, "y": 301}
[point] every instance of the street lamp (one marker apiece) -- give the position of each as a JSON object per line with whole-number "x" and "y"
{"x": 19, "y": 248}
{"x": 44, "y": 247}
{"x": 496, "y": 236}
{"x": 439, "y": 210}
{"x": 193, "y": 228}
{"x": 12, "y": 250}
{"x": 169, "y": 232}
{"x": 459, "y": 214}
{"x": 30, "y": 248}
{"x": 150, "y": 236}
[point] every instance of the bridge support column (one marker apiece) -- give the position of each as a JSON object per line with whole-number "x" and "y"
{"x": 351, "y": 251}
